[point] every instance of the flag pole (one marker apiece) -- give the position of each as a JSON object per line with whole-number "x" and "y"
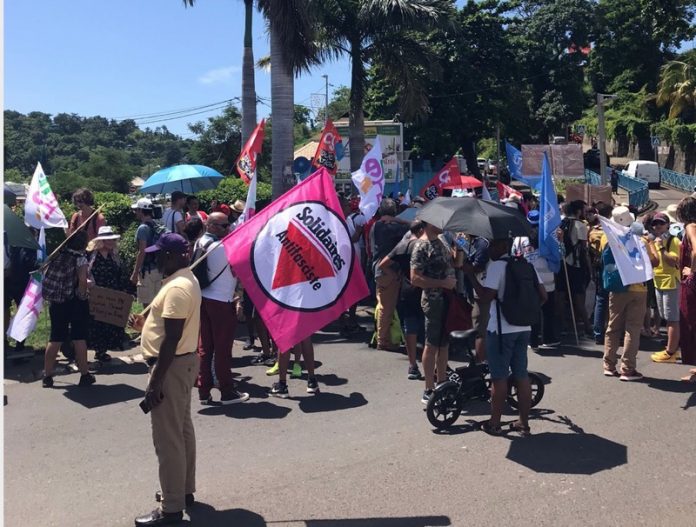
{"x": 79, "y": 228}
{"x": 570, "y": 301}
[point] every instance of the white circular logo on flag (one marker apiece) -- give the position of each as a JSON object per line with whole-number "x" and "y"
{"x": 302, "y": 258}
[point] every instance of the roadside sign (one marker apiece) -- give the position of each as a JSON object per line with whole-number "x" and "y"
{"x": 580, "y": 128}
{"x": 655, "y": 140}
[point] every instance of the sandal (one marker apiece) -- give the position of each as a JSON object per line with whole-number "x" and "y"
{"x": 262, "y": 359}
{"x": 487, "y": 427}
{"x": 520, "y": 428}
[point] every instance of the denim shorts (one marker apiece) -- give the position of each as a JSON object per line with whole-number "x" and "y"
{"x": 512, "y": 356}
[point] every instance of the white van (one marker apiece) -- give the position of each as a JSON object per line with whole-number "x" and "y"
{"x": 648, "y": 171}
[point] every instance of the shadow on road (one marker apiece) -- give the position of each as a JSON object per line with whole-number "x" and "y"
{"x": 203, "y": 514}
{"x": 674, "y": 386}
{"x": 329, "y": 402}
{"x": 102, "y": 394}
{"x": 571, "y": 349}
{"x": 248, "y": 410}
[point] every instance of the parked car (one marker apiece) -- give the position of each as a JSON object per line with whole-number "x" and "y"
{"x": 647, "y": 171}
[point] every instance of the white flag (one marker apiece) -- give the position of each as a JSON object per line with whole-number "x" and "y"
{"x": 630, "y": 253}
{"x": 250, "y": 206}
{"x": 24, "y": 321}
{"x": 42, "y": 253}
{"x": 407, "y": 198}
{"x": 369, "y": 180}
{"x": 41, "y": 208}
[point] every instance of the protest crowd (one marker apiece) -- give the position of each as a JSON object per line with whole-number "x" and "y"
{"x": 522, "y": 278}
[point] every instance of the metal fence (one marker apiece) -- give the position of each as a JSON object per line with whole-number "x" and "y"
{"x": 678, "y": 180}
{"x": 638, "y": 194}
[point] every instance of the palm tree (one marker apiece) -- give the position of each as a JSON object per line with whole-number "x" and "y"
{"x": 677, "y": 86}
{"x": 365, "y": 30}
{"x": 248, "y": 82}
{"x": 292, "y": 51}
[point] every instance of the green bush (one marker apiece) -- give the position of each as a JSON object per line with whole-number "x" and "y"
{"x": 117, "y": 210}
{"x": 230, "y": 190}
{"x": 127, "y": 249}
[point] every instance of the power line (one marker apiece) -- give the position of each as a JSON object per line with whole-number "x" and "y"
{"x": 140, "y": 123}
{"x": 173, "y": 112}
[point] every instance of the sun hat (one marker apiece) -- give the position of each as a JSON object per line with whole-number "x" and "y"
{"x": 170, "y": 242}
{"x": 107, "y": 233}
{"x": 238, "y": 206}
{"x": 671, "y": 213}
{"x": 533, "y": 217}
{"x": 622, "y": 216}
{"x": 142, "y": 204}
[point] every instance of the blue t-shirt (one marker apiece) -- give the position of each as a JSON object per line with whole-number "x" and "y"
{"x": 146, "y": 232}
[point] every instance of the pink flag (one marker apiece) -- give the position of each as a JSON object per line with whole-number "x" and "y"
{"x": 296, "y": 261}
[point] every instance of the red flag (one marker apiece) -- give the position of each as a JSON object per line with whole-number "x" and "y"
{"x": 246, "y": 163}
{"x": 433, "y": 188}
{"x": 326, "y": 150}
{"x": 505, "y": 192}
{"x": 296, "y": 261}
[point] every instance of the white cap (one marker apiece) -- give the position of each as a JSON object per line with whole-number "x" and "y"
{"x": 622, "y": 216}
{"x": 142, "y": 203}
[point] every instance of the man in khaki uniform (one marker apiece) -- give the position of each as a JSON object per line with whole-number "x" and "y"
{"x": 169, "y": 342}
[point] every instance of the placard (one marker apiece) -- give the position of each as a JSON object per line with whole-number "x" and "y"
{"x": 110, "y": 306}
{"x": 588, "y": 193}
{"x": 566, "y": 160}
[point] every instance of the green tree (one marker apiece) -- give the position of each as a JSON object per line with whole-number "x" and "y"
{"x": 339, "y": 105}
{"x": 218, "y": 142}
{"x": 634, "y": 39}
{"x": 366, "y": 30}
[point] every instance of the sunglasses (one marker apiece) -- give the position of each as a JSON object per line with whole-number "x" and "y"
{"x": 221, "y": 224}
{"x": 659, "y": 222}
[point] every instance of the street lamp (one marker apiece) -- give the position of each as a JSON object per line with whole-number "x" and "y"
{"x": 602, "y": 99}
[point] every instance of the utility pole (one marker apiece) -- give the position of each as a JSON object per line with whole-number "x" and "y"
{"x": 326, "y": 105}
{"x": 601, "y": 131}
{"x": 497, "y": 154}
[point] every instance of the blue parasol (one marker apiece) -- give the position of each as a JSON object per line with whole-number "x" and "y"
{"x": 188, "y": 179}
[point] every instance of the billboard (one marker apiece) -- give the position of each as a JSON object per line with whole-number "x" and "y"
{"x": 391, "y": 137}
{"x": 566, "y": 160}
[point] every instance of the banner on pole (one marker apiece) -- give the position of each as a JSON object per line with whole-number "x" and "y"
{"x": 434, "y": 187}
{"x": 41, "y": 208}
{"x": 296, "y": 261}
{"x": 24, "y": 321}
{"x": 325, "y": 155}
{"x": 630, "y": 253}
{"x": 369, "y": 180}
{"x": 246, "y": 163}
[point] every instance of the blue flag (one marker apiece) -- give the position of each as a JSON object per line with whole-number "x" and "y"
{"x": 514, "y": 158}
{"x": 549, "y": 219}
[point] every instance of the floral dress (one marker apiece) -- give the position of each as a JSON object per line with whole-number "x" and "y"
{"x": 106, "y": 272}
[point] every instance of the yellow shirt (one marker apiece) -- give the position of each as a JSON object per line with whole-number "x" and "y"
{"x": 667, "y": 276}
{"x": 640, "y": 288}
{"x": 179, "y": 298}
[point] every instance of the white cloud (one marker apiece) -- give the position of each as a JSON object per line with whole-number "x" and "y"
{"x": 219, "y": 75}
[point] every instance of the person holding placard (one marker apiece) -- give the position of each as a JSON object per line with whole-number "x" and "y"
{"x": 104, "y": 271}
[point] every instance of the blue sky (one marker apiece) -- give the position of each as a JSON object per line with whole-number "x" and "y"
{"x": 123, "y": 58}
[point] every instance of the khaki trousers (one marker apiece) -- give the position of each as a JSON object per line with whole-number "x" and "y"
{"x": 387, "y": 295}
{"x": 626, "y": 312}
{"x": 173, "y": 434}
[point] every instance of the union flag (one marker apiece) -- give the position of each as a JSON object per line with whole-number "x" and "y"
{"x": 246, "y": 162}
{"x": 325, "y": 155}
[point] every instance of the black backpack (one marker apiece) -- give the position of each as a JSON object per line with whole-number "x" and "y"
{"x": 157, "y": 230}
{"x": 201, "y": 270}
{"x": 521, "y": 303}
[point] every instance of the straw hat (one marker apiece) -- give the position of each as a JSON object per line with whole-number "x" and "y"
{"x": 106, "y": 233}
{"x": 238, "y": 206}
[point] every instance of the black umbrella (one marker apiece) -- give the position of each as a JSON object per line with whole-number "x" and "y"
{"x": 10, "y": 197}
{"x": 475, "y": 216}
{"x": 18, "y": 234}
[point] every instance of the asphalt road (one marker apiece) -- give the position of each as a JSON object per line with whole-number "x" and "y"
{"x": 665, "y": 196}
{"x": 361, "y": 453}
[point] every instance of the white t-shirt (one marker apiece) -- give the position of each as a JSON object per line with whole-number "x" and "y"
{"x": 578, "y": 233}
{"x": 170, "y": 218}
{"x": 222, "y": 289}
{"x": 495, "y": 279}
{"x": 354, "y": 221}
